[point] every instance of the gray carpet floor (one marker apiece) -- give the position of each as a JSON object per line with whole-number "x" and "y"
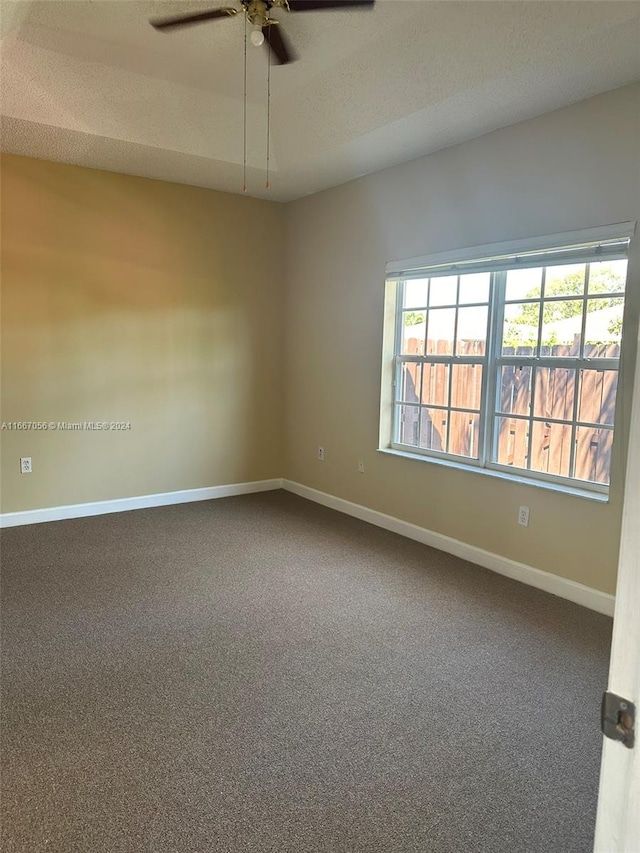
{"x": 263, "y": 674}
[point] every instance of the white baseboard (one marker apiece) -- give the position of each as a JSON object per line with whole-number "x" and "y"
{"x": 562, "y": 587}
{"x": 57, "y": 513}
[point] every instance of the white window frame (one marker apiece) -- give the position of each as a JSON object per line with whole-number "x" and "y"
{"x": 594, "y": 244}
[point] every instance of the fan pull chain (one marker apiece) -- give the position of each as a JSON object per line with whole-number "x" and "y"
{"x": 267, "y": 184}
{"x": 244, "y": 152}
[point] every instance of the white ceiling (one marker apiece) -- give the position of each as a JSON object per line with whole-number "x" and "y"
{"x": 90, "y": 82}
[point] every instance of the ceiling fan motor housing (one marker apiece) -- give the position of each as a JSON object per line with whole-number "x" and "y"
{"x": 257, "y": 12}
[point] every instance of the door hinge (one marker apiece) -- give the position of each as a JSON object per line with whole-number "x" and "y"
{"x": 618, "y": 719}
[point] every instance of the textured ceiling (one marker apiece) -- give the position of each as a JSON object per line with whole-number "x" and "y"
{"x": 90, "y": 82}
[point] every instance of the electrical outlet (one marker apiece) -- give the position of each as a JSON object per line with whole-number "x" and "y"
{"x": 321, "y": 454}
{"x": 523, "y": 516}
{"x": 25, "y": 465}
{"x": 361, "y": 466}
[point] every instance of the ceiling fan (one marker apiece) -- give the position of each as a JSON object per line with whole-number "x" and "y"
{"x": 258, "y": 14}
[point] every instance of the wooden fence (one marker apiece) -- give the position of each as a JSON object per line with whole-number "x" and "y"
{"x": 531, "y": 399}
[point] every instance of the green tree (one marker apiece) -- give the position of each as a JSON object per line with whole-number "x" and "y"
{"x": 615, "y": 326}
{"x": 413, "y": 318}
{"x": 602, "y": 279}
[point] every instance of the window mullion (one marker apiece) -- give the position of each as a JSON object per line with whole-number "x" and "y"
{"x": 427, "y": 318}
{"x": 455, "y": 324}
{"x": 421, "y": 409}
{"x": 577, "y": 382}
{"x": 494, "y": 346}
{"x": 395, "y": 420}
{"x": 534, "y": 371}
{"x": 560, "y": 361}
{"x": 449, "y": 403}
{"x": 583, "y": 326}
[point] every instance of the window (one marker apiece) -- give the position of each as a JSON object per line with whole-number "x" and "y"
{"x": 511, "y": 362}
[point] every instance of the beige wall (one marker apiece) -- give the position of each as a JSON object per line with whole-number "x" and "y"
{"x": 135, "y": 300}
{"x": 571, "y": 169}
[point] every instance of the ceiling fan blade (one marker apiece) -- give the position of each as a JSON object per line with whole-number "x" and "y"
{"x": 185, "y": 20}
{"x": 278, "y": 43}
{"x": 316, "y": 5}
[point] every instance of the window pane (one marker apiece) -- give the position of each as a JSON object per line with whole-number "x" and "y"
{"x": 463, "y": 434}
{"x": 566, "y": 280}
{"x": 408, "y": 425}
{"x": 597, "y": 401}
{"x": 434, "y": 429}
{"x": 474, "y": 288}
{"x": 515, "y": 390}
{"x": 443, "y": 290}
{"x": 562, "y": 328}
{"x": 472, "y": 331}
{"x": 552, "y": 409}
{"x": 524, "y": 284}
{"x": 555, "y": 393}
{"x": 593, "y": 454}
{"x": 603, "y": 331}
{"x": 513, "y": 441}
{"x": 435, "y": 384}
{"x": 551, "y": 448}
{"x": 440, "y": 330}
{"x": 607, "y": 277}
{"x": 520, "y": 332}
{"x": 466, "y": 388}
{"x": 409, "y": 385}
{"x": 413, "y": 332}
{"x": 415, "y": 293}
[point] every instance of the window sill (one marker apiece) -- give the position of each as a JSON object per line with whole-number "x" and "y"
{"x": 499, "y": 475}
